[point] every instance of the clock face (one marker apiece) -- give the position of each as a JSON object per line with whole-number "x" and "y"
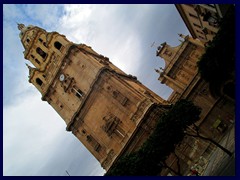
{"x": 61, "y": 77}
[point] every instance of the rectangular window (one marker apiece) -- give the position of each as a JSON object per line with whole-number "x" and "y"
{"x": 78, "y": 92}
{"x": 197, "y": 25}
{"x": 200, "y": 32}
{"x": 192, "y": 15}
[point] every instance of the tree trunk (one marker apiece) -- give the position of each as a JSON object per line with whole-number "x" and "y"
{"x": 212, "y": 141}
{"x": 178, "y": 163}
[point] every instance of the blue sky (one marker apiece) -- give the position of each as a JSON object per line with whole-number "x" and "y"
{"x": 35, "y": 141}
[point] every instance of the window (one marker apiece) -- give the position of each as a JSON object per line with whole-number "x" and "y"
{"x": 40, "y": 40}
{"x": 78, "y": 92}
{"x": 200, "y": 32}
{"x": 37, "y": 61}
{"x": 28, "y": 40}
{"x": 57, "y": 45}
{"x": 39, "y": 81}
{"x": 197, "y": 25}
{"x": 192, "y": 15}
{"x": 201, "y": 37}
{"x": 41, "y": 52}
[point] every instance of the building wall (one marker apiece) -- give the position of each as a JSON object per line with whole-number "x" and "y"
{"x": 180, "y": 65}
{"x": 110, "y": 112}
{"x": 202, "y": 20}
{"x": 218, "y": 113}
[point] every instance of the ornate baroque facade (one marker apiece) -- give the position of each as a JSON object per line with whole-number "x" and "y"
{"x": 218, "y": 113}
{"x": 110, "y": 112}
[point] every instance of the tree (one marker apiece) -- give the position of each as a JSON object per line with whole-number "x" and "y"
{"x": 217, "y": 65}
{"x": 169, "y": 132}
{"x": 198, "y": 135}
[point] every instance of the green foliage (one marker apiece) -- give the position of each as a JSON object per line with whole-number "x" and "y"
{"x": 148, "y": 160}
{"x": 217, "y": 65}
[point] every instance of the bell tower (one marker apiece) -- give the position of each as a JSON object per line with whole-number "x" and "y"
{"x": 109, "y": 111}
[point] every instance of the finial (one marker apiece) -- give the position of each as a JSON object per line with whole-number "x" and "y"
{"x": 29, "y": 67}
{"x": 157, "y": 70}
{"x": 182, "y": 36}
{"x": 20, "y": 26}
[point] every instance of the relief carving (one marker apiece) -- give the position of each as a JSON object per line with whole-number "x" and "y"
{"x": 108, "y": 159}
{"x": 93, "y": 142}
{"x": 112, "y": 126}
{"x": 168, "y": 53}
{"x": 140, "y": 109}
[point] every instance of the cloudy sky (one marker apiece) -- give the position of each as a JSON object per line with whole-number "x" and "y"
{"x": 35, "y": 141}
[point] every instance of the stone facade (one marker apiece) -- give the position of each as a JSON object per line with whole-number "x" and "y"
{"x": 218, "y": 113}
{"x": 110, "y": 112}
{"x": 202, "y": 20}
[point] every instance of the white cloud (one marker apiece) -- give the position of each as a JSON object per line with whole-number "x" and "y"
{"x": 35, "y": 140}
{"x": 27, "y": 132}
{"x": 34, "y": 136}
{"x": 105, "y": 30}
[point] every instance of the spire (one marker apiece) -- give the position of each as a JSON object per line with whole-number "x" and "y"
{"x": 29, "y": 67}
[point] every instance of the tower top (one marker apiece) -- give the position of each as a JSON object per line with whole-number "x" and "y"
{"x": 23, "y": 29}
{"x": 21, "y": 26}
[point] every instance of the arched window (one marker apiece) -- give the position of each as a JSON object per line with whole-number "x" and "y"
{"x": 39, "y": 81}
{"x": 57, "y": 45}
{"x": 41, "y": 52}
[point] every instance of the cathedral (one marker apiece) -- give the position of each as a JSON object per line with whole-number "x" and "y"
{"x": 109, "y": 111}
